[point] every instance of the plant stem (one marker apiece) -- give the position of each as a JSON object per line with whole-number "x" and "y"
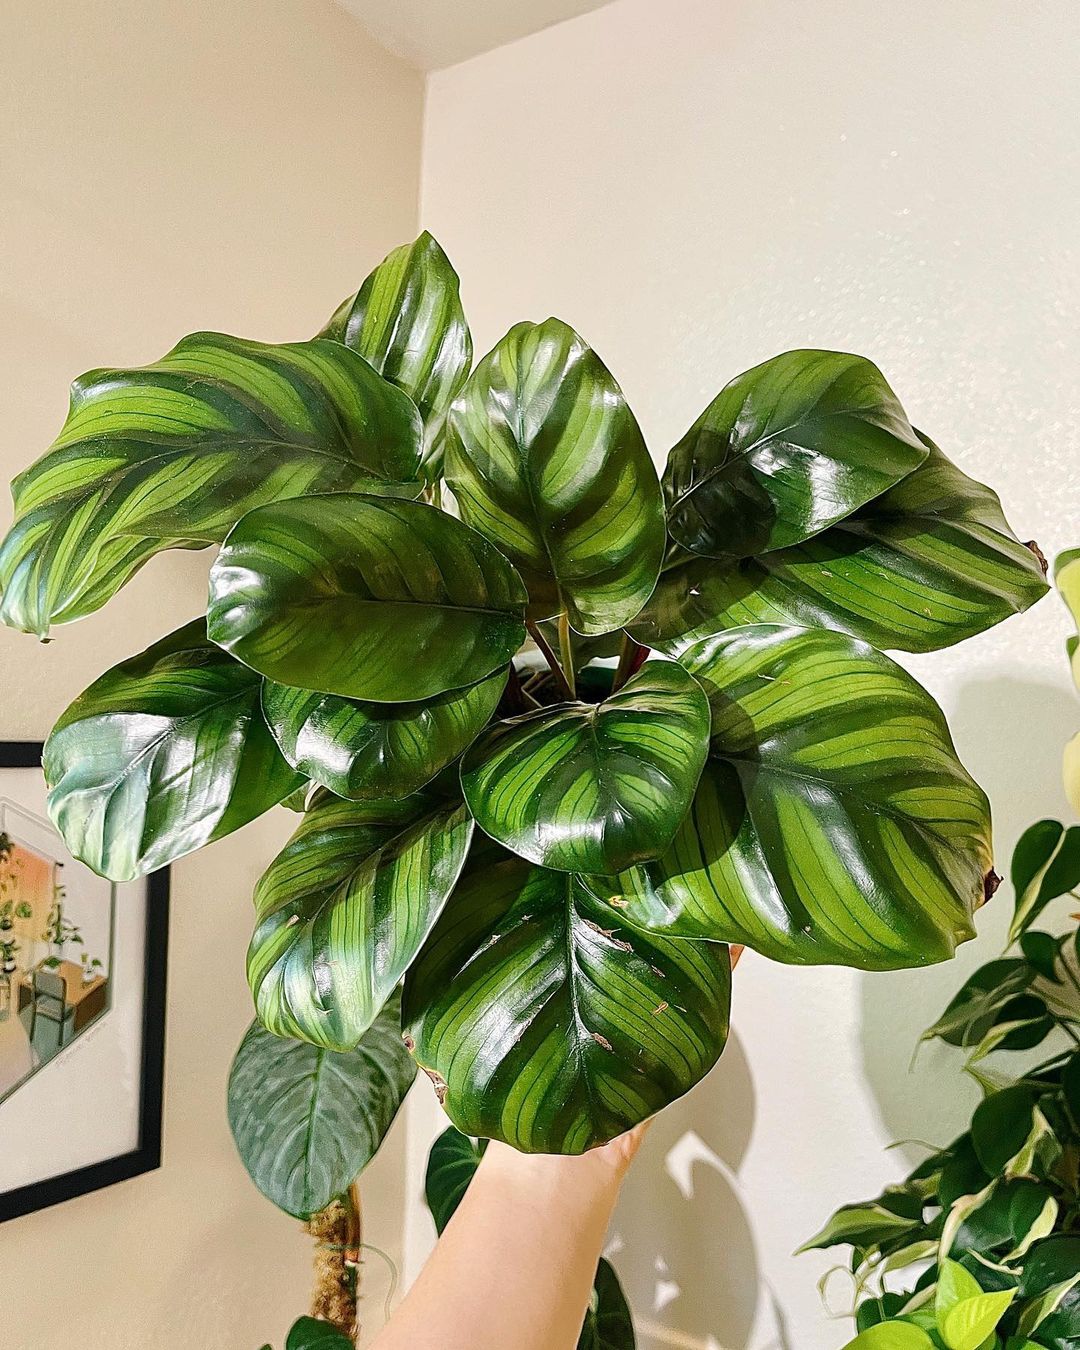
{"x": 566, "y": 651}
{"x": 631, "y": 656}
{"x": 549, "y": 656}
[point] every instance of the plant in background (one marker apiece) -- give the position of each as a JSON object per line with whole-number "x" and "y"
{"x": 419, "y": 565}
{"x": 985, "y": 1234}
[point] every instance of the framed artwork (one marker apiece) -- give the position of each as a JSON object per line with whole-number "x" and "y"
{"x": 82, "y": 1008}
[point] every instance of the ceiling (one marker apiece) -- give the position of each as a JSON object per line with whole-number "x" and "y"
{"x": 435, "y": 33}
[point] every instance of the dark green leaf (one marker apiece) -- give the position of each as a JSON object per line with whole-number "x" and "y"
{"x": 451, "y": 1165}
{"x": 872, "y": 1311}
{"x": 307, "y": 1120}
{"x": 387, "y": 601}
{"x": 784, "y": 451}
{"x": 593, "y": 787}
{"x": 1046, "y": 864}
{"x": 1043, "y": 950}
{"x": 164, "y": 753}
{"x": 546, "y": 1025}
{"x": 1000, "y": 1126}
{"x": 977, "y": 1004}
{"x": 608, "y": 1324}
{"x": 545, "y": 457}
{"x": 343, "y": 909}
{"x": 366, "y": 750}
{"x": 310, "y": 1334}
{"x": 407, "y": 321}
{"x": 1070, "y": 1086}
{"x": 928, "y": 563}
{"x": 173, "y": 454}
{"x": 833, "y": 822}
{"x": 961, "y": 1173}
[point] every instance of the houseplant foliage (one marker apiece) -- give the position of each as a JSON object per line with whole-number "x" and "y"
{"x": 979, "y": 1248}
{"x": 418, "y": 565}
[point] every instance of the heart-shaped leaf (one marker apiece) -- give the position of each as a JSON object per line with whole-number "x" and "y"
{"x": 174, "y": 453}
{"x": 344, "y": 908}
{"x": 968, "y": 1323}
{"x": 544, "y": 1023}
{"x": 891, "y": 1336}
{"x": 407, "y": 321}
{"x": 833, "y": 822}
{"x": 784, "y": 451}
{"x": 307, "y": 1120}
{"x": 928, "y": 563}
{"x": 381, "y": 600}
{"x": 366, "y": 750}
{"x": 308, "y": 1333}
{"x": 593, "y": 787}
{"x": 451, "y": 1165}
{"x": 545, "y": 457}
{"x": 164, "y": 753}
{"x": 1045, "y": 865}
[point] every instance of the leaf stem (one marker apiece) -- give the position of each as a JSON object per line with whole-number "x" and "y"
{"x": 549, "y": 656}
{"x": 631, "y": 657}
{"x": 566, "y": 651}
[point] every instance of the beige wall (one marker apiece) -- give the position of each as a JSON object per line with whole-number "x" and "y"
{"x": 697, "y": 185}
{"x": 166, "y": 167}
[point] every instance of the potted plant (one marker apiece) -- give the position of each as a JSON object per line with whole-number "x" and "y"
{"x": 91, "y": 968}
{"x": 422, "y": 567}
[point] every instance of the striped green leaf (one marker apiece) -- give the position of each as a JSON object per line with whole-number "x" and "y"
{"x": 784, "y": 451}
{"x": 544, "y": 1023}
{"x": 593, "y": 787}
{"x": 407, "y": 321}
{"x": 174, "y": 453}
{"x": 833, "y": 822}
{"x": 164, "y": 753}
{"x": 382, "y": 600}
{"x": 307, "y": 1120}
{"x": 343, "y": 909}
{"x": 928, "y": 563}
{"x": 364, "y": 750}
{"x": 545, "y": 457}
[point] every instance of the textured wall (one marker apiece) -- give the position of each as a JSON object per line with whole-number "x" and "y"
{"x": 167, "y": 167}
{"x": 696, "y": 186}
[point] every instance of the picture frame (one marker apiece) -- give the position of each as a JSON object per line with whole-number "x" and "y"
{"x": 107, "y": 1012}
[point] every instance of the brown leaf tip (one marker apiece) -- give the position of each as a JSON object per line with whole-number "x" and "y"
{"x": 1039, "y": 554}
{"x": 438, "y": 1082}
{"x": 990, "y": 884}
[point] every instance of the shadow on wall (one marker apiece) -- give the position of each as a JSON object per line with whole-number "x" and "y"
{"x": 989, "y": 719}
{"x": 681, "y": 1241}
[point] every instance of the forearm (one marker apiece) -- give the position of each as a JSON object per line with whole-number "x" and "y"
{"x": 516, "y": 1263}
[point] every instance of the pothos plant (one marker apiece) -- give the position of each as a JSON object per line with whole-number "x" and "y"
{"x": 979, "y": 1247}
{"x": 419, "y": 565}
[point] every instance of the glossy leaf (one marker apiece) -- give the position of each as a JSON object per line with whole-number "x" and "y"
{"x": 308, "y": 1333}
{"x": 608, "y": 1324}
{"x": 833, "y": 822}
{"x": 381, "y": 600}
{"x": 1046, "y": 864}
{"x": 451, "y": 1165}
{"x": 979, "y": 1001}
{"x": 545, "y": 458}
{"x": 365, "y": 750}
{"x": 954, "y": 1285}
{"x": 174, "y": 453}
{"x": 164, "y": 753}
{"x": 928, "y": 563}
{"x": 1001, "y": 1125}
{"x": 344, "y": 908}
{"x": 967, "y": 1325}
{"x": 546, "y": 1024}
{"x": 307, "y": 1120}
{"x": 584, "y": 787}
{"x": 407, "y": 321}
{"x": 891, "y": 1336}
{"x": 784, "y": 451}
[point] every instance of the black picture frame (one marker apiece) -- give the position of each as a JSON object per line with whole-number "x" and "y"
{"x": 146, "y": 1155}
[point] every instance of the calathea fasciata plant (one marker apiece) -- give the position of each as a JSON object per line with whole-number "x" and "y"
{"x": 421, "y": 570}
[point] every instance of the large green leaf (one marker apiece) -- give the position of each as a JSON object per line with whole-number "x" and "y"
{"x": 785, "y": 451}
{"x": 546, "y": 1025}
{"x": 176, "y": 452}
{"x": 344, "y": 908}
{"x": 545, "y": 457}
{"x": 928, "y": 563}
{"x": 366, "y": 750}
{"x": 891, "y": 1336}
{"x": 593, "y": 787}
{"x": 451, "y": 1166}
{"x": 407, "y": 320}
{"x": 307, "y": 1120}
{"x": 382, "y": 600}
{"x": 833, "y": 822}
{"x": 164, "y": 753}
